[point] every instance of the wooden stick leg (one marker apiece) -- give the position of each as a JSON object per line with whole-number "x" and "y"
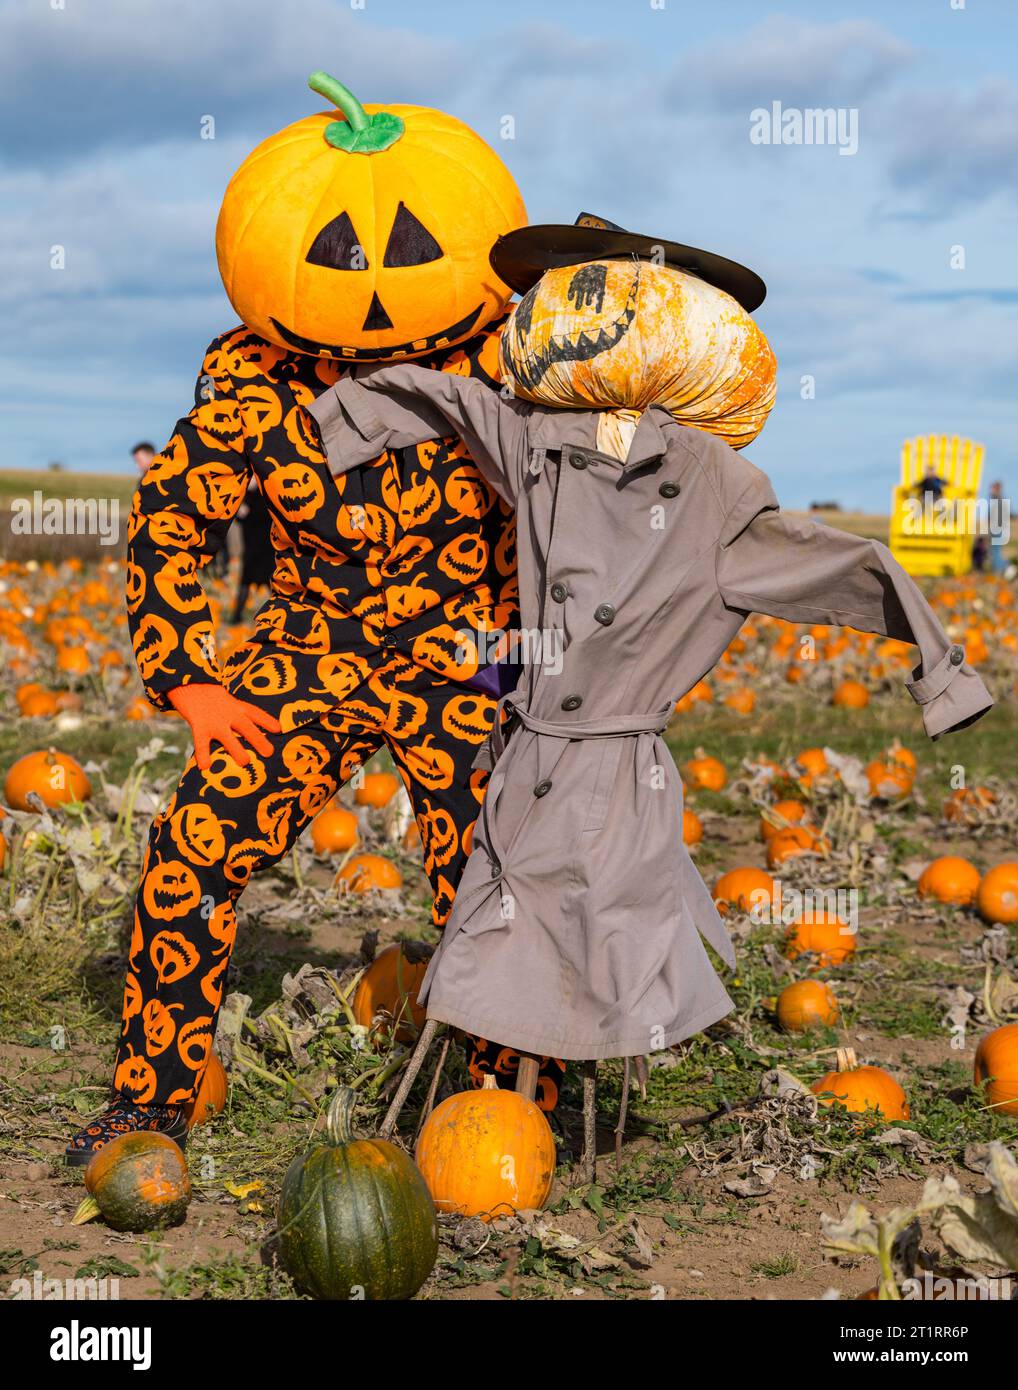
{"x": 620, "y": 1128}
{"x": 429, "y": 1104}
{"x": 641, "y": 1075}
{"x": 588, "y": 1159}
{"x": 409, "y": 1077}
{"x": 527, "y": 1076}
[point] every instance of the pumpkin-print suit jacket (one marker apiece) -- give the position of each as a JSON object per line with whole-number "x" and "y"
{"x": 380, "y": 562}
{"x": 577, "y": 927}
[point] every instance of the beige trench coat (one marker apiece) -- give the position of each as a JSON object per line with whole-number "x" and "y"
{"x": 576, "y": 930}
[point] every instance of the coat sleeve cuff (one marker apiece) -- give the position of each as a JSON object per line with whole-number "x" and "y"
{"x": 349, "y": 424}
{"x": 952, "y": 695}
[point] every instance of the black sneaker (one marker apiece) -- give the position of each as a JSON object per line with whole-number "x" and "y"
{"x": 125, "y": 1117}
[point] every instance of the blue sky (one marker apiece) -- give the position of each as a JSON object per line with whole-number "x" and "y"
{"x": 637, "y": 109}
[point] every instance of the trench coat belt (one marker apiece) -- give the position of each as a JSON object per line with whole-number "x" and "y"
{"x": 608, "y": 726}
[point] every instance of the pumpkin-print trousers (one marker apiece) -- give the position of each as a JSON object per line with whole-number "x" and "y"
{"x": 228, "y": 821}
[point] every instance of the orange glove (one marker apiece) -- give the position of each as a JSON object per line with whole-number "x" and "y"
{"x": 213, "y": 713}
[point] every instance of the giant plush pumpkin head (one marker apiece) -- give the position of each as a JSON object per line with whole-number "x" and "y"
{"x": 620, "y": 336}
{"x": 363, "y": 234}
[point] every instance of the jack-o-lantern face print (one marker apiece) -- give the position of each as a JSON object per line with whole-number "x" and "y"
{"x": 260, "y": 410}
{"x": 194, "y": 1042}
{"x": 428, "y": 765}
{"x": 219, "y": 425}
{"x": 175, "y": 528}
{"x": 439, "y": 835}
{"x": 406, "y": 203}
{"x": 419, "y": 501}
{"x": 464, "y": 558}
{"x": 134, "y": 586}
{"x": 132, "y": 998}
{"x": 295, "y": 490}
{"x": 171, "y": 890}
{"x": 304, "y": 756}
{"x": 270, "y": 675}
{"x": 224, "y": 774}
{"x": 154, "y": 640}
{"x": 160, "y": 1028}
{"x": 216, "y": 490}
{"x": 178, "y": 586}
{"x": 448, "y": 651}
{"x": 198, "y": 834}
{"x": 135, "y": 1078}
{"x": 467, "y": 493}
{"x": 173, "y": 956}
{"x": 468, "y": 717}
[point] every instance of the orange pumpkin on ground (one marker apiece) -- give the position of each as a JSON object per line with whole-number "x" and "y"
{"x": 966, "y": 805}
{"x": 334, "y": 830}
{"x": 997, "y": 1066}
{"x": 40, "y": 704}
{"x": 850, "y": 695}
{"x": 823, "y": 934}
{"x": 794, "y": 812}
{"x": 486, "y": 1153}
{"x": 743, "y": 701}
{"x": 706, "y": 773}
{"x": 743, "y": 889}
{"x": 997, "y": 898}
{"x": 377, "y": 789}
{"x": 794, "y": 841}
{"x": 56, "y": 778}
{"x": 692, "y": 827}
{"x": 889, "y": 780}
{"x": 366, "y": 871}
{"x": 806, "y": 1004}
{"x": 389, "y": 988}
{"x": 813, "y": 762}
{"x": 861, "y": 1088}
{"x": 137, "y": 1182}
{"x": 211, "y": 1096}
{"x": 950, "y": 879}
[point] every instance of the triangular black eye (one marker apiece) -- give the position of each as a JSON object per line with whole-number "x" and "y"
{"x": 338, "y": 247}
{"x": 410, "y": 242}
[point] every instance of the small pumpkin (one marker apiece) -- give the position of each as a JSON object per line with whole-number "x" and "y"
{"x": 744, "y": 889}
{"x": 950, "y": 879}
{"x": 210, "y": 1098}
{"x": 812, "y": 764}
{"x": 334, "y": 830}
{"x": 822, "y": 934}
{"x": 997, "y": 898}
{"x": 377, "y": 789}
{"x": 996, "y": 1066}
{"x": 366, "y": 871}
{"x": 387, "y": 991}
{"x": 487, "y": 1152}
{"x": 805, "y": 1005}
{"x": 849, "y": 694}
{"x": 967, "y": 805}
{"x": 860, "y": 1089}
{"x": 355, "y": 1216}
{"x": 706, "y": 773}
{"x": 137, "y": 1182}
{"x": 781, "y": 815}
{"x": 793, "y": 841}
{"x": 692, "y": 827}
{"x": 889, "y": 779}
{"x": 56, "y": 778}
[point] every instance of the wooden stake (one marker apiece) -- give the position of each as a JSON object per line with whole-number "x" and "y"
{"x": 409, "y": 1077}
{"x": 527, "y": 1076}
{"x": 588, "y": 1159}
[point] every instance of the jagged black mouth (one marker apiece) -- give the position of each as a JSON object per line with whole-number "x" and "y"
{"x": 418, "y": 346}
{"x": 530, "y": 365}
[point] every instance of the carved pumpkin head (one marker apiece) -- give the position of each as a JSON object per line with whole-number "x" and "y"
{"x": 625, "y": 335}
{"x": 468, "y": 717}
{"x": 198, "y": 834}
{"x": 364, "y": 233}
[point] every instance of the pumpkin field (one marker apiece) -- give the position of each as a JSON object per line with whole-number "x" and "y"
{"x": 851, "y": 1129}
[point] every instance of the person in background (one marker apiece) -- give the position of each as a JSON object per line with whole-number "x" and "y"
{"x": 257, "y": 558}
{"x": 998, "y": 539}
{"x": 143, "y": 453}
{"x": 930, "y": 485}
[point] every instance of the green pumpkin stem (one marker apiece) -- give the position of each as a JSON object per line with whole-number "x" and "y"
{"x": 87, "y": 1211}
{"x": 339, "y": 1116}
{"x": 359, "y": 133}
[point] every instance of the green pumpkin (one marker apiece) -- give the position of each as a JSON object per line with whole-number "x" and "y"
{"x": 355, "y": 1217}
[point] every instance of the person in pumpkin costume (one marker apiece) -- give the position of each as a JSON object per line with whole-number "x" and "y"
{"x": 354, "y": 235}
{"x": 645, "y": 542}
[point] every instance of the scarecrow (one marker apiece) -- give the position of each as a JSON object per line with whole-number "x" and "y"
{"x": 645, "y": 541}
{"x": 355, "y": 235}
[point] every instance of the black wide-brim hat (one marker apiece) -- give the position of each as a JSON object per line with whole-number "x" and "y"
{"x": 520, "y": 258}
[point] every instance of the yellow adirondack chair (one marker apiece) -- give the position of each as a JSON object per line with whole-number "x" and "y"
{"x": 922, "y": 545}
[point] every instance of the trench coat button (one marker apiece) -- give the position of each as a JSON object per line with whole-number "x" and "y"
{"x": 543, "y": 788}
{"x": 577, "y": 460}
{"x": 572, "y": 702}
{"x": 957, "y": 655}
{"x": 604, "y": 613}
{"x": 559, "y": 592}
{"x": 669, "y": 489}
{"x": 496, "y": 870}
